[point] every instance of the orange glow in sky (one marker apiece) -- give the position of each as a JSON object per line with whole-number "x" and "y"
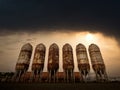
{"x": 89, "y": 37}
{"x": 12, "y": 44}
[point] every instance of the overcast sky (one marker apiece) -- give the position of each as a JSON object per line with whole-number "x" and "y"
{"x": 60, "y": 21}
{"x": 32, "y": 15}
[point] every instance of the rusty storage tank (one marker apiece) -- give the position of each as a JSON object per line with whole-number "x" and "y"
{"x": 82, "y": 59}
{"x": 68, "y": 63}
{"x": 97, "y": 62}
{"x": 53, "y": 61}
{"x": 38, "y": 61}
{"x": 23, "y": 60}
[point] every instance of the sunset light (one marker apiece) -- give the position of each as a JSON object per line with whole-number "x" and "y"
{"x": 89, "y": 37}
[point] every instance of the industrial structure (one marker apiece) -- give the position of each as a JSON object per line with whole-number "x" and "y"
{"x": 23, "y": 61}
{"x": 38, "y": 62}
{"x": 68, "y": 63}
{"x": 83, "y": 62}
{"x": 53, "y": 62}
{"x": 52, "y": 75}
{"x": 97, "y": 62}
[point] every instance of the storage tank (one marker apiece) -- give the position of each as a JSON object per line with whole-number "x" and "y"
{"x": 53, "y": 61}
{"x": 97, "y": 62}
{"x": 68, "y": 63}
{"x": 23, "y": 60}
{"x": 38, "y": 61}
{"x": 82, "y": 59}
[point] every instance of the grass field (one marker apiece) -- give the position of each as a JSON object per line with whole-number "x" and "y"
{"x": 60, "y": 86}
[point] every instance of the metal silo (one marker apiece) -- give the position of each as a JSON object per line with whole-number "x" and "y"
{"x": 53, "y": 61}
{"x": 23, "y": 60}
{"x": 68, "y": 63}
{"x": 38, "y": 61}
{"x": 97, "y": 62}
{"x": 82, "y": 59}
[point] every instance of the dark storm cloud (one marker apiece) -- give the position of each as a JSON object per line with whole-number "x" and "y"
{"x": 34, "y": 15}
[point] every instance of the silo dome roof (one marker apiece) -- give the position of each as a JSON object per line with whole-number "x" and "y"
{"x": 67, "y": 47}
{"x": 93, "y": 47}
{"x": 80, "y": 47}
{"x": 54, "y": 45}
{"x": 40, "y": 46}
{"x": 27, "y": 46}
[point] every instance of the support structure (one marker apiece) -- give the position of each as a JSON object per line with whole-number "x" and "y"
{"x": 23, "y": 61}
{"x": 68, "y": 63}
{"x": 68, "y": 75}
{"x": 53, "y": 62}
{"x": 97, "y": 63}
{"x": 38, "y": 62}
{"x": 83, "y": 62}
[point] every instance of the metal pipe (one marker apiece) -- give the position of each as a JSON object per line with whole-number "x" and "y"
{"x": 50, "y": 76}
{"x": 67, "y": 77}
{"x": 54, "y": 76}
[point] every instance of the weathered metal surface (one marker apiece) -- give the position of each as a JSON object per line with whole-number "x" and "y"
{"x": 67, "y": 57}
{"x": 95, "y": 54}
{"x": 96, "y": 57}
{"x": 97, "y": 62}
{"x": 39, "y": 57}
{"x": 81, "y": 53}
{"x": 53, "y": 62}
{"x": 24, "y": 57}
{"x": 82, "y": 58}
{"x": 53, "y": 57}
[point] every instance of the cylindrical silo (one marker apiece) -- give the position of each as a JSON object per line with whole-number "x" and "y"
{"x": 23, "y": 60}
{"x": 68, "y": 63}
{"x": 82, "y": 59}
{"x": 38, "y": 61}
{"x": 97, "y": 62}
{"x": 53, "y": 61}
